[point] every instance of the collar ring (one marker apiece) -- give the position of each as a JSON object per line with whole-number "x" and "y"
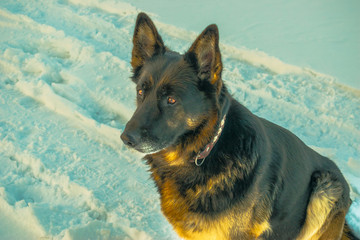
{"x": 197, "y": 158}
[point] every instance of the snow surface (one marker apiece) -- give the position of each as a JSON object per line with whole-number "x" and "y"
{"x": 65, "y": 97}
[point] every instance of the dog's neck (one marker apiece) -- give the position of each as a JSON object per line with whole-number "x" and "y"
{"x": 200, "y": 157}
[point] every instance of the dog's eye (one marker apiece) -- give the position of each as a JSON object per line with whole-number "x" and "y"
{"x": 140, "y": 92}
{"x": 171, "y": 100}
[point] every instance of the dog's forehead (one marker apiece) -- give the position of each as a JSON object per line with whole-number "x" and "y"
{"x": 166, "y": 70}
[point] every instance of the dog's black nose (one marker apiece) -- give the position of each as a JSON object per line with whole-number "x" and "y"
{"x": 129, "y": 139}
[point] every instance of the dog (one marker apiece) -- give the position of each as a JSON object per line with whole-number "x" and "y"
{"x": 222, "y": 172}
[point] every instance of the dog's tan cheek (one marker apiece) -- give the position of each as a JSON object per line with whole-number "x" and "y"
{"x": 194, "y": 121}
{"x": 191, "y": 122}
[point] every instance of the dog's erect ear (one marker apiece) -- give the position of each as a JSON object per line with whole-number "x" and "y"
{"x": 147, "y": 41}
{"x": 205, "y": 55}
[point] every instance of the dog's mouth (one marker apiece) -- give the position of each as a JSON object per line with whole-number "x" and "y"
{"x": 143, "y": 145}
{"x": 148, "y": 148}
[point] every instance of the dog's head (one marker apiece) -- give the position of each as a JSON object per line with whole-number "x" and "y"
{"x": 175, "y": 93}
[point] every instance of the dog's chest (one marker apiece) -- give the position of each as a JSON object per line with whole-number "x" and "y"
{"x": 187, "y": 224}
{"x": 192, "y": 225}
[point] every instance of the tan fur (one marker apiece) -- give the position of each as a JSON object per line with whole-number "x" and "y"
{"x": 192, "y": 122}
{"x": 173, "y": 158}
{"x": 322, "y": 201}
{"x": 335, "y": 228}
{"x": 260, "y": 228}
{"x": 190, "y": 225}
{"x": 346, "y": 231}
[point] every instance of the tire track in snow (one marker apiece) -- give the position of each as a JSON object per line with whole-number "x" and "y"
{"x": 72, "y": 199}
{"x": 55, "y": 91}
{"x": 53, "y": 183}
{"x": 61, "y": 215}
{"x": 59, "y": 94}
{"x": 43, "y": 93}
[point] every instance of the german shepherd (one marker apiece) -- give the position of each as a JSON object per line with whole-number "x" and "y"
{"x": 221, "y": 171}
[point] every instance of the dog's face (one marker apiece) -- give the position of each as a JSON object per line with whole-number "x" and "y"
{"x": 168, "y": 104}
{"x": 175, "y": 93}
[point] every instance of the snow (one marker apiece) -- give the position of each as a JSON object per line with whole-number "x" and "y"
{"x": 322, "y": 35}
{"x": 65, "y": 97}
